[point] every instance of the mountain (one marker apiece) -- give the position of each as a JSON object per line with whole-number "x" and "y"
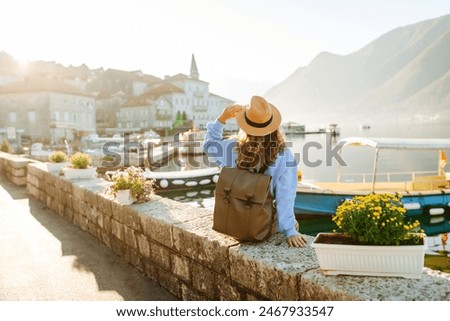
{"x": 402, "y": 76}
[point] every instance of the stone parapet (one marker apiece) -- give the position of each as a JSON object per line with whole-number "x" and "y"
{"x": 174, "y": 244}
{"x": 14, "y": 167}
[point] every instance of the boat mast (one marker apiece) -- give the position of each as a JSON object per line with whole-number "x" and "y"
{"x": 375, "y": 169}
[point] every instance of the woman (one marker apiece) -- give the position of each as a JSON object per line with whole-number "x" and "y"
{"x": 261, "y": 145}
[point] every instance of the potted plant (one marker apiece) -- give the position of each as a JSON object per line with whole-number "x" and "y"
{"x": 80, "y": 167}
{"x": 130, "y": 185}
{"x": 57, "y": 160}
{"x": 373, "y": 239}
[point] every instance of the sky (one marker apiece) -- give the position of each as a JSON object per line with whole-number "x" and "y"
{"x": 242, "y": 47}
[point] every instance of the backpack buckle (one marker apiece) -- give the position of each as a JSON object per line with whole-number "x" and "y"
{"x": 226, "y": 198}
{"x": 248, "y": 203}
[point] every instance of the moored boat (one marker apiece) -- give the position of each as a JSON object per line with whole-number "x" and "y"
{"x": 183, "y": 179}
{"x": 425, "y": 195}
{"x": 292, "y": 128}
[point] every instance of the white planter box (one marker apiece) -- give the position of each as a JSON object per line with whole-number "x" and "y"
{"x": 124, "y": 197}
{"x": 400, "y": 261}
{"x": 74, "y": 173}
{"x": 56, "y": 167}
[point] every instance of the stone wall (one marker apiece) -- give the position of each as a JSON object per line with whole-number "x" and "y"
{"x": 173, "y": 244}
{"x": 14, "y": 167}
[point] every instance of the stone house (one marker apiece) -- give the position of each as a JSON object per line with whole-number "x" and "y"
{"x": 47, "y": 110}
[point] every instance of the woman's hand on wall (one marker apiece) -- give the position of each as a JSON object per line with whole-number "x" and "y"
{"x": 296, "y": 241}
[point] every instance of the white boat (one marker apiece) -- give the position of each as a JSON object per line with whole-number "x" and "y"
{"x": 364, "y": 126}
{"x": 333, "y": 129}
{"x": 173, "y": 180}
{"x": 151, "y": 136}
{"x": 425, "y": 195}
{"x": 292, "y": 128}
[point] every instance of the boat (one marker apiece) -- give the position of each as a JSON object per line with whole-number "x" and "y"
{"x": 150, "y": 136}
{"x": 425, "y": 195}
{"x": 364, "y": 126}
{"x": 292, "y": 128}
{"x": 190, "y": 142}
{"x": 333, "y": 129}
{"x": 183, "y": 179}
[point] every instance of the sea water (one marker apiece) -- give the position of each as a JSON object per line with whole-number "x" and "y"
{"x": 315, "y": 166}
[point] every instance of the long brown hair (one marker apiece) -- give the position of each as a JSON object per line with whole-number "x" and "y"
{"x": 257, "y": 151}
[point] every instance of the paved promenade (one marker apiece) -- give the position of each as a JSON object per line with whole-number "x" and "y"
{"x": 44, "y": 257}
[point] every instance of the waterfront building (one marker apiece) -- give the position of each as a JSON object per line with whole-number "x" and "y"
{"x": 47, "y": 109}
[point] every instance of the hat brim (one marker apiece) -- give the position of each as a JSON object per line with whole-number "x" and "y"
{"x": 259, "y": 131}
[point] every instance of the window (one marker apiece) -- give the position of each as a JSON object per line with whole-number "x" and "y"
{"x": 32, "y": 116}
{"x": 12, "y": 117}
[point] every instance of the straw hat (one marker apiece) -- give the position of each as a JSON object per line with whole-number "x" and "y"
{"x": 259, "y": 118}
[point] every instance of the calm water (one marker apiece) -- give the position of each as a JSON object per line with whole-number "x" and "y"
{"x": 358, "y": 160}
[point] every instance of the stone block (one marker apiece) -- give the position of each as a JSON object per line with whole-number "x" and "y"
{"x": 92, "y": 229}
{"x": 104, "y": 204}
{"x": 151, "y": 270}
{"x": 51, "y": 179}
{"x": 18, "y": 180}
{"x": 117, "y": 246}
{"x": 91, "y": 198}
{"x": 126, "y": 215}
{"x": 84, "y": 222}
{"x": 68, "y": 213}
{"x": 18, "y": 163}
{"x": 180, "y": 267}
{"x": 271, "y": 268}
{"x": 32, "y": 169}
{"x": 19, "y": 171}
{"x": 160, "y": 255}
{"x": 117, "y": 230}
{"x": 130, "y": 238}
{"x": 42, "y": 196}
{"x": 196, "y": 240}
{"x": 92, "y": 213}
{"x": 105, "y": 237}
{"x": 143, "y": 245}
{"x": 225, "y": 290}
{"x": 67, "y": 200}
{"x": 78, "y": 192}
{"x": 188, "y": 294}
{"x": 169, "y": 282}
{"x": 66, "y": 185}
{"x": 203, "y": 280}
{"x": 32, "y": 180}
{"x": 157, "y": 229}
{"x": 135, "y": 259}
{"x": 34, "y": 191}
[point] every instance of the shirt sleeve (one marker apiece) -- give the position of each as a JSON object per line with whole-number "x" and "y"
{"x": 285, "y": 189}
{"x": 221, "y": 151}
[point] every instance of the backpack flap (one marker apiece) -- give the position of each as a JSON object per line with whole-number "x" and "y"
{"x": 252, "y": 187}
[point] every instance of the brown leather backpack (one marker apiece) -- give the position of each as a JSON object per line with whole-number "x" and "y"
{"x": 243, "y": 205}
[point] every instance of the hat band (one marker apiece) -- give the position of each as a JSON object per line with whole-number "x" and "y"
{"x": 258, "y": 125}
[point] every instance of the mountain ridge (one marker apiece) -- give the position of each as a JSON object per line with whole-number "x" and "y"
{"x": 400, "y": 76}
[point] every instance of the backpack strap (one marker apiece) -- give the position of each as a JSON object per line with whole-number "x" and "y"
{"x": 234, "y": 172}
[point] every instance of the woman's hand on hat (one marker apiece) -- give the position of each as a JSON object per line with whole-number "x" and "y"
{"x": 229, "y": 112}
{"x": 296, "y": 241}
